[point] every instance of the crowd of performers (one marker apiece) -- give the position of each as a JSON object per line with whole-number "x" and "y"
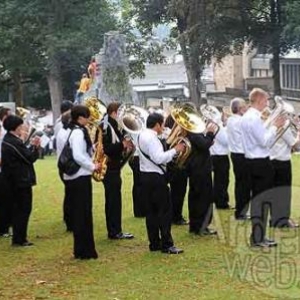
{"x": 261, "y": 167}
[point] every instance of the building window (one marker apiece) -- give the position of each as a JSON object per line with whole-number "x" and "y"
{"x": 290, "y": 76}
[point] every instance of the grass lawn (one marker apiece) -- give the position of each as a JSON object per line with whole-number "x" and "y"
{"x": 222, "y": 267}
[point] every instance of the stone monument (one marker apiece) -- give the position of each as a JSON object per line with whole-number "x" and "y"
{"x": 113, "y": 64}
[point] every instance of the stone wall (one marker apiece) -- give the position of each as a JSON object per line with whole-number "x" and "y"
{"x": 223, "y": 73}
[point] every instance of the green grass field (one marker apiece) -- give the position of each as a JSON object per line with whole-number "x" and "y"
{"x": 222, "y": 267}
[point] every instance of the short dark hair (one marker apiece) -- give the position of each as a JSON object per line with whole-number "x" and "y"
{"x": 65, "y": 106}
{"x": 79, "y": 111}
{"x": 169, "y": 121}
{"x": 4, "y": 112}
{"x": 66, "y": 119}
{"x": 153, "y": 119}
{"x": 12, "y": 122}
{"x": 113, "y": 107}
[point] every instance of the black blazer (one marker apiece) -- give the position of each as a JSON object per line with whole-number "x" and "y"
{"x": 113, "y": 151}
{"x": 17, "y": 166}
{"x": 199, "y": 162}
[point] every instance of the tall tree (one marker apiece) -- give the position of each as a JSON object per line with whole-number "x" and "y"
{"x": 196, "y": 29}
{"x": 56, "y": 32}
{"x": 265, "y": 22}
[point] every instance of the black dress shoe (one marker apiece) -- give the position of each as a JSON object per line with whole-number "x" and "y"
{"x": 24, "y": 244}
{"x": 121, "y": 236}
{"x": 290, "y": 224}
{"x": 5, "y": 235}
{"x": 181, "y": 222}
{"x": 287, "y": 224}
{"x": 83, "y": 257}
{"x": 270, "y": 243}
{"x": 265, "y": 244}
{"x": 172, "y": 250}
{"x": 208, "y": 231}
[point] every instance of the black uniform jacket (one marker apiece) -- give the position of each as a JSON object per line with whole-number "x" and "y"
{"x": 199, "y": 161}
{"x": 17, "y": 162}
{"x": 113, "y": 151}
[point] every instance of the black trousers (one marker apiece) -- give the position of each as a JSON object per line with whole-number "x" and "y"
{"x": 113, "y": 202}
{"x": 220, "y": 180}
{"x": 158, "y": 210}
{"x": 80, "y": 193}
{"x": 178, "y": 187}
{"x": 6, "y": 205}
{"x": 22, "y": 205}
{"x": 200, "y": 200}
{"x": 281, "y": 209}
{"x": 241, "y": 184}
{"x": 138, "y": 203}
{"x": 66, "y": 205}
{"x": 261, "y": 180}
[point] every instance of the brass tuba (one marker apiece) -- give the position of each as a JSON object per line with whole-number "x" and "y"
{"x": 132, "y": 119}
{"x": 186, "y": 120}
{"x": 97, "y": 110}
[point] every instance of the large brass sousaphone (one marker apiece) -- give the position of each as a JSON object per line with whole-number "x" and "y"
{"x": 186, "y": 120}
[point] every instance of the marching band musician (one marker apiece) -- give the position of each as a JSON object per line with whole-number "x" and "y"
{"x": 134, "y": 163}
{"x": 79, "y": 187}
{"x": 155, "y": 185}
{"x": 200, "y": 198}
{"x": 257, "y": 139}
{"x": 178, "y": 185}
{"x": 241, "y": 185}
{"x": 280, "y": 155}
{"x": 5, "y": 203}
{"x": 114, "y": 146}
{"x": 18, "y": 171}
{"x": 61, "y": 138}
{"x": 220, "y": 162}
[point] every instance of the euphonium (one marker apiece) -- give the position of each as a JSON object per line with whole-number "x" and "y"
{"x": 211, "y": 115}
{"x": 97, "y": 111}
{"x": 281, "y": 109}
{"x": 132, "y": 119}
{"x": 186, "y": 120}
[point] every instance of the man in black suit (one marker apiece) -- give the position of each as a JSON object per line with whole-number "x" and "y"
{"x": 114, "y": 146}
{"x": 200, "y": 196}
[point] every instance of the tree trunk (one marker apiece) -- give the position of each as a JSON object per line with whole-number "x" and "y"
{"x": 17, "y": 88}
{"x": 193, "y": 81}
{"x": 275, "y": 16}
{"x": 276, "y": 71}
{"x": 55, "y": 88}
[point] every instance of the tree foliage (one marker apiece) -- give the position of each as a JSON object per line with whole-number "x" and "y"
{"x": 197, "y": 28}
{"x": 52, "y": 37}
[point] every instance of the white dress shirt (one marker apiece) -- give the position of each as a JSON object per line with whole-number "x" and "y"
{"x": 234, "y": 133}
{"x": 57, "y": 126}
{"x": 282, "y": 150}
{"x": 256, "y": 138}
{"x": 61, "y": 138}
{"x": 220, "y": 145}
{"x": 80, "y": 155}
{"x": 150, "y": 144}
